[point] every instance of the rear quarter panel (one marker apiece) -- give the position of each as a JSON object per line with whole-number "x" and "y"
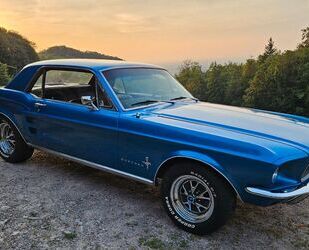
{"x": 14, "y": 104}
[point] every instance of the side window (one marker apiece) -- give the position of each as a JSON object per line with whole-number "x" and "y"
{"x": 67, "y": 78}
{"x": 37, "y": 89}
{"x": 70, "y": 86}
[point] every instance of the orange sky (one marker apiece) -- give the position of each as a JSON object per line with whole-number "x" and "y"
{"x": 159, "y": 31}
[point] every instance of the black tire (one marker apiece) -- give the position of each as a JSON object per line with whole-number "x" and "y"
{"x": 21, "y": 151}
{"x": 219, "y": 192}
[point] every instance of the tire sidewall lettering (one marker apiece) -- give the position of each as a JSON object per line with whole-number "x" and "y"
{"x": 206, "y": 181}
{"x": 174, "y": 214}
{"x": 176, "y": 217}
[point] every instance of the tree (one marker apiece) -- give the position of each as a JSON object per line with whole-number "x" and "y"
{"x": 191, "y": 76}
{"x": 270, "y": 50}
{"x": 281, "y": 84}
{"x": 15, "y": 50}
{"x": 275, "y": 81}
{"x": 234, "y": 86}
{"x": 305, "y": 38}
{"x": 59, "y": 52}
{"x": 215, "y": 84}
{"x": 4, "y": 75}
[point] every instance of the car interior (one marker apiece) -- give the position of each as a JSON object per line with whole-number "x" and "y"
{"x": 71, "y": 92}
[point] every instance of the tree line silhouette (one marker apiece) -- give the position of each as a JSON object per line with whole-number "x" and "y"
{"x": 276, "y": 81}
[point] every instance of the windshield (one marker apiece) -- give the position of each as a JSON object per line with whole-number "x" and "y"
{"x": 142, "y": 86}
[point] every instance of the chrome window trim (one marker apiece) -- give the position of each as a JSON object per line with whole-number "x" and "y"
{"x": 115, "y": 95}
{"x": 31, "y": 83}
{"x": 114, "y": 109}
{"x": 192, "y": 158}
{"x": 95, "y": 165}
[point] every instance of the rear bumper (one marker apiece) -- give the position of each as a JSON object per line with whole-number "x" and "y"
{"x": 302, "y": 191}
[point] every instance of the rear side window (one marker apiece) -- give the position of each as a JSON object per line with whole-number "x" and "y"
{"x": 67, "y": 78}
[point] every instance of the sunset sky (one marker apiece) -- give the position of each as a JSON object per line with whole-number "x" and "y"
{"x": 160, "y": 31}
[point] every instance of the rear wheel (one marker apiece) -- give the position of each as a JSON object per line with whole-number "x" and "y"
{"x": 12, "y": 146}
{"x": 196, "y": 198}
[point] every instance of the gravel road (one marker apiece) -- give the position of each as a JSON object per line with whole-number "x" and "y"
{"x": 49, "y": 203}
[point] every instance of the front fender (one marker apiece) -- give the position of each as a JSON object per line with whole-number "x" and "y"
{"x": 203, "y": 158}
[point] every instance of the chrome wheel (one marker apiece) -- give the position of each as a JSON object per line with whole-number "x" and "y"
{"x": 192, "y": 198}
{"x": 7, "y": 139}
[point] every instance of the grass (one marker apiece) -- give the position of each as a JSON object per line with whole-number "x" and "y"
{"x": 70, "y": 235}
{"x": 301, "y": 243}
{"x": 183, "y": 244}
{"x": 152, "y": 243}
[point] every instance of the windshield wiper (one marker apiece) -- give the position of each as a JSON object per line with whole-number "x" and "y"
{"x": 149, "y": 102}
{"x": 144, "y": 102}
{"x": 184, "y": 97}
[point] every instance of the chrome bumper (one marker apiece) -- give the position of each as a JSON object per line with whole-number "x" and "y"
{"x": 285, "y": 195}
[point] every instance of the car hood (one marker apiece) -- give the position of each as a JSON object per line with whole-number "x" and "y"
{"x": 293, "y": 130}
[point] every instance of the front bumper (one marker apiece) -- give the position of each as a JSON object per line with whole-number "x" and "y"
{"x": 303, "y": 191}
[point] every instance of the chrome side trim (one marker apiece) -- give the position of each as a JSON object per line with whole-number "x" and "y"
{"x": 14, "y": 125}
{"x": 192, "y": 158}
{"x": 264, "y": 193}
{"x": 94, "y": 165}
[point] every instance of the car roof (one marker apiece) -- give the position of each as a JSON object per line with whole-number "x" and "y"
{"x": 97, "y": 64}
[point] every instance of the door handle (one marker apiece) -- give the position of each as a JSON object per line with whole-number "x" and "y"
{"x": 39, "y": 105}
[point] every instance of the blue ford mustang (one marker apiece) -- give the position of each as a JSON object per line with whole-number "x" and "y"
{"x": 137, "y": 121}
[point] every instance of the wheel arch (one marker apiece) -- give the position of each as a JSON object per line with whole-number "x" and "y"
{"x": 171, "y": 161}
{"x": 12, "y": 120}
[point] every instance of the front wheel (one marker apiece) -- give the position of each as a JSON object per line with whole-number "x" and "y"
{"x": 12, "y": 146}
{"x": 196, "y": 198}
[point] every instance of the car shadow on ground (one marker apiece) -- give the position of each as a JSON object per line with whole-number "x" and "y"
{"x": 54, "y": 202}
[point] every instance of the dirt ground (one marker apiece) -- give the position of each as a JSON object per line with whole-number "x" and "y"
{"x": 49, "y": 202}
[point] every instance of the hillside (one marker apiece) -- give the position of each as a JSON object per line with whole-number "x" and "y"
{"x": 60, "y": 52}
{"x": 15, "y": 51}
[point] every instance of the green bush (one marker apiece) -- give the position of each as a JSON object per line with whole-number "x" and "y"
{"x": 4, "y": 75}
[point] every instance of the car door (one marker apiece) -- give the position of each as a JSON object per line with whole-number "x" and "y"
{"x": 69, "y": 127}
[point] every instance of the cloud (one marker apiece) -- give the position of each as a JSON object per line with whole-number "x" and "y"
{"x": 130, "y": 23}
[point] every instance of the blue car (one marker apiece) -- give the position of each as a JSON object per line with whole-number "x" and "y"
{"x": 137, "y": 121}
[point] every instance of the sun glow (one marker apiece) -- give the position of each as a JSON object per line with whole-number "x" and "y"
{"x": 159, "y": 31}
{"x": 4, "y": 23}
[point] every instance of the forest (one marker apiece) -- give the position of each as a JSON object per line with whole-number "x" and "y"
{"x": 275, "y": 80}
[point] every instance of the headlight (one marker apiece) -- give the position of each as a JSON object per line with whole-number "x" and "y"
{"x": 292, "y": 172}
{"x": 305, "y": 174}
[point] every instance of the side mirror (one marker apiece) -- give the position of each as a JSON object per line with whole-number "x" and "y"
{"x": 88, "y": 100}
